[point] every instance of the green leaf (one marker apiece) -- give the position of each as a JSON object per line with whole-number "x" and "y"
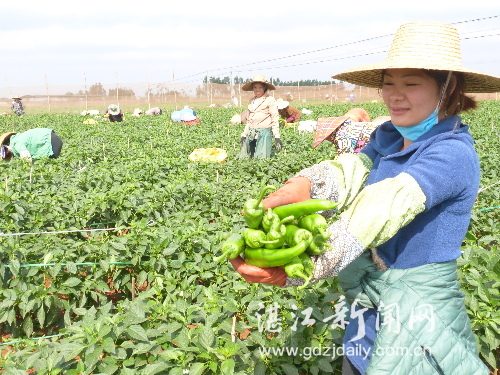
{"x": 72, "y": 281}
{"x": 71, "y": 267}
{"x": 196, "y": 368}
{"x": 290, "y": 369}
{"x": 137, "y": 332}
{"x": 70, "y": 350}
{"x": 207, "y": 337}
{"x": 28, "y": 326}
{"x": 227, "y": 366}
{"x": 154, "y": 368}
{"x": 325, "y": 365}
{"x": 108, "y": 345}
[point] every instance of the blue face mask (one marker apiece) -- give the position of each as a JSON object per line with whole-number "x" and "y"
{"x": 413, "y": 132}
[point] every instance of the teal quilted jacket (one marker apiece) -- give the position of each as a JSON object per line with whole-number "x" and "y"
{"x": 443, "y": 343}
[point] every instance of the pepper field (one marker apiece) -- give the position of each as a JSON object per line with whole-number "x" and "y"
{"x": 106, "y": 254}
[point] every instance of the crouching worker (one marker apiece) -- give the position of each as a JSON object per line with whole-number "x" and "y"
{"x": 30, "y": 145}
{"x": 287, "y": 112}
{"x": 113, "y": 113}
{"x": 349, "y": 133}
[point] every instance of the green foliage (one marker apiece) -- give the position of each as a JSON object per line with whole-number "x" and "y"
{"x": 167, "y": 308}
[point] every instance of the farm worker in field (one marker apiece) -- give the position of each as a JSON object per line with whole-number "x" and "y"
{"x": 17, "y": 106}
{"x": 137, "y": 112}
{"x": 352, "y": 97}
{"x": 190, "y": 119}
{"x": 154, "y": 111}
{"x": 263, "y": 121}
{"x": 349, "y": 133}
{"x": 176, "y": 116}
{"x": 405, "y": 203}
{"x": 287, "y": 112}
{"x": 32, "y": 144}
{"x": 114, "y": 113}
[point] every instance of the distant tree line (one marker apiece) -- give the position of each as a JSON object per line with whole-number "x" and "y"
{"x": 276, "y": 81}
{"x": 98, "y": 90}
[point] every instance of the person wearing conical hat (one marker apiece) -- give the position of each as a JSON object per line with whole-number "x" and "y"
{"x": 263, "y": 121}
{"x": 404, "y": 204}
{"x": 37, "y": 143}
{"x": 17, "y": 106}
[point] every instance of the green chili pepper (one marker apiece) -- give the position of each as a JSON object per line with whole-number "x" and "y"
{"x": 308, "y": 263}
{"x": 318, "y": 245}
{"x": 254, "y": 208}
{"x": 277, "y": 232}
{"x": 294, "y": 269}
{"x": 308, "y": 269}
{"x": 268, "y": 219}
{"x": 232, "y": 247}
{"x": 255, "y": 238}
{"x": 314, "y": 223}
{"x": 294, "y": 235}
{"x": 263, "y": 257}
{"x": 304, "y": 208}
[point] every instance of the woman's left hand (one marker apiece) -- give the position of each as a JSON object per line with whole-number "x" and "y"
{"x": 253, "y": 274}
{"x": 278, "y": 144}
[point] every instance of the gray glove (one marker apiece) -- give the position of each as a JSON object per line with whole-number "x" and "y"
{"x": 278, "y": 144}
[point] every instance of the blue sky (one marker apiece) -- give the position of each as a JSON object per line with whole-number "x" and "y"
{"x": 105, "y": 41}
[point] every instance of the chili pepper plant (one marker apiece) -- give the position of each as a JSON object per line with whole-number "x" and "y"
{"x": 107, "y": 253}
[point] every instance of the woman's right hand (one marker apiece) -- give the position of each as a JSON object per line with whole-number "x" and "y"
{"x": 296, "y": 189}
{"x": 252, "y": 274}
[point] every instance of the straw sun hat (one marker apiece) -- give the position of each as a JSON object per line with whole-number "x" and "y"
{"x": 259, "y": 78}
{"x": 423, "y": 45}
{"x": 4, "y": 139}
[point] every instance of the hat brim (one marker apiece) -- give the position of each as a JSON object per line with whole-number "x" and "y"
{"x": 248, "y": 86}
{"x": 371, "y": 75}
{"x": 326, "y": 126}
{"x": 4, "y": 138}
{"x": 283, "y": 105}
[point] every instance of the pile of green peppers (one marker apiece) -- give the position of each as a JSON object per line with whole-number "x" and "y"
{"x": 285, "y": 236}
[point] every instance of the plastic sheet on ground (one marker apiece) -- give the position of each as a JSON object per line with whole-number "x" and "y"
{"x": 307, "y": 126}
{"x": 213, "y": 154}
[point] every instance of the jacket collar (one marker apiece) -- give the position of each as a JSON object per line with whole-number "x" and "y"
{"x": 387, "y": 140}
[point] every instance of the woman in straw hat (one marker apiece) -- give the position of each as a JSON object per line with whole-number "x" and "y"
{"x": 405, "y": 203}
{"x": 17, "y": 106}
{"x": 263, "y": 121}
{"x": 32, "y": 144}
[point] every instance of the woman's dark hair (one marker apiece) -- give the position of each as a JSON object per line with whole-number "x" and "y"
{"x": 456, "y": 101}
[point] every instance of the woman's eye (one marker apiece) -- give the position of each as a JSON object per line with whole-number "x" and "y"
{"x": 387, "y": 84}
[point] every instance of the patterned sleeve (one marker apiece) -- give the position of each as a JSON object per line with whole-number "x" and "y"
{"x": 339, "y": 180}
{"x": 375, "y": 215}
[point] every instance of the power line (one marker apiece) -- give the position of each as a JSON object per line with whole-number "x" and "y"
{"x": 230, "y": 68}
